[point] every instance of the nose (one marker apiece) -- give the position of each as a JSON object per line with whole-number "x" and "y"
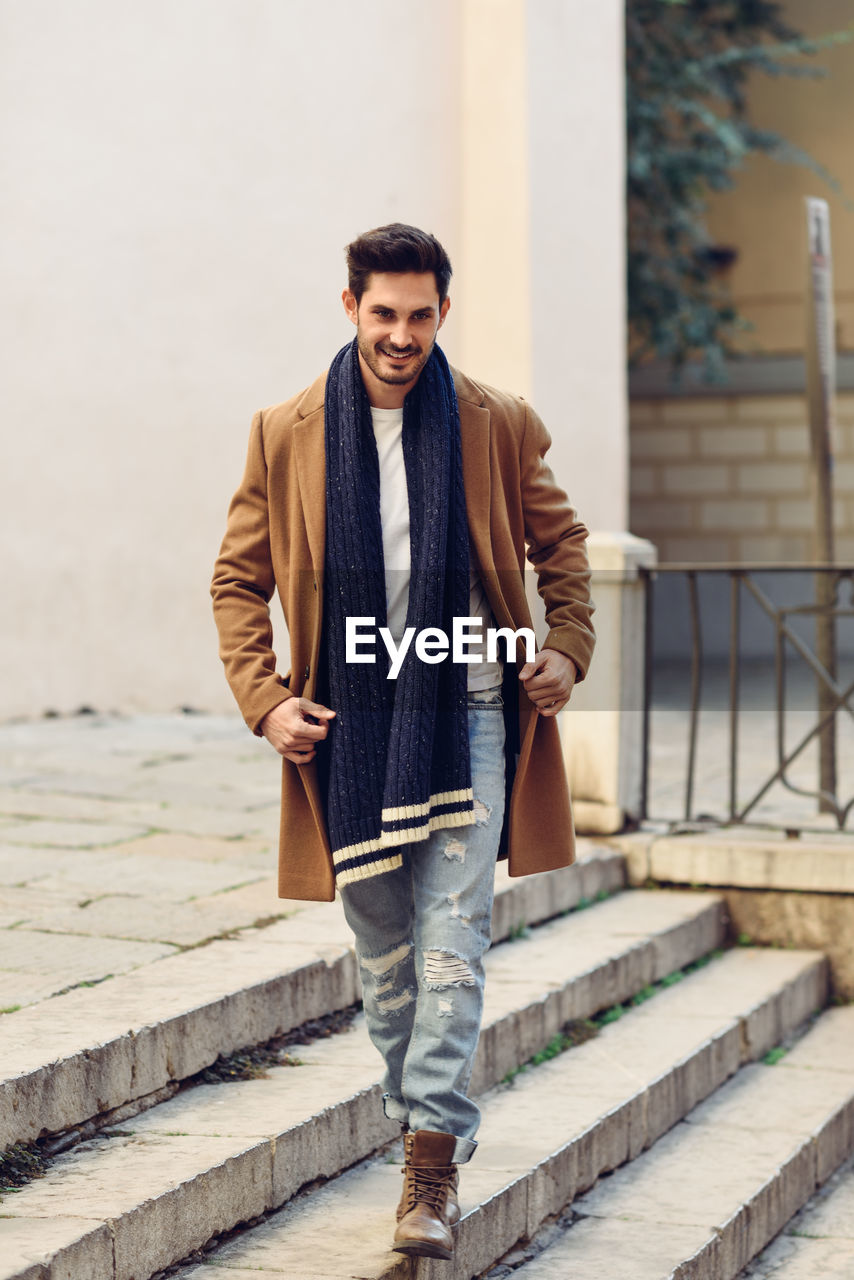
{"x": 400, "y": 335}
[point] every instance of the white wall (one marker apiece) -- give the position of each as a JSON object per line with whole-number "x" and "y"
{"x": 180, "y": 178}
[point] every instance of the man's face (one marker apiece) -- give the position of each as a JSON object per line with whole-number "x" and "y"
{"x": 396, "y": 325}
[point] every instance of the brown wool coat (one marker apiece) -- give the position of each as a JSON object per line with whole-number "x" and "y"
{"x": 275, "y": 540}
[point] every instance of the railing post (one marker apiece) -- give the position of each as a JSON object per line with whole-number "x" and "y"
{"x": 648, "y": 578}
{"x": 734, "y": 675}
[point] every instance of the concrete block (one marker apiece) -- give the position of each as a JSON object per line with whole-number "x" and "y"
{"x": 767, "y": 1211}
{"x": 768, "y": 548}
{"x": 792, "y": 440}
{"x": 329, "y": 1143}
{"x": 186, "y": 1217}
{"x": 642, "y": 411}
{"x": 733, "y": 442}
{"x": 831, "y": 1212}
{"x": 645, "y": 481}
{"x": 834, "y": 1140}
{"x": 795, "y": 513}
{"x": 661, "y": 442}
{"x": 697, "y": 478}
{"x": 691, "y": 409}
{"x": 771, "y": 409}
{"x": 71, "y": 1248}
{"x": 654, "y": 518}
{"x": 497, "y": 1223}
{"x": 675, "y": 1092}
{"x": 651, "y": 1249}
{"x": 772, "y": 478}
{"x": 735, "y": 514}
{"x": 740, "y": 862}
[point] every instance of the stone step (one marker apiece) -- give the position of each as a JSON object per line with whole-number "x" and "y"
{"x": 214, "y": 1156}
{"x": 97, "y": 1049}
{"x": 818, "y": 1241}
{"x": 721, "y": 1184}
{"x": 552, "y": 1134}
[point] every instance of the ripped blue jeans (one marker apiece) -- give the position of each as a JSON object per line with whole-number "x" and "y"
{"x": 421, "y": 934}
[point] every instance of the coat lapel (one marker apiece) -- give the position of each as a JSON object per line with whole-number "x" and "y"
{"x": 310, "y": 455}
{"x": 474, "y": 433}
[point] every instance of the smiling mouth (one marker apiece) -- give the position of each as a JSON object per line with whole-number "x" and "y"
{"x": 400, "y": 357}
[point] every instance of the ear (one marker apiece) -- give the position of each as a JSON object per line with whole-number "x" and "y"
{"x": 443, "y": 311}
{"x": 351, "y": 306}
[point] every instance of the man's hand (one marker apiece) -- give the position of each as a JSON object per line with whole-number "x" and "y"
{"x": 548, "y": 681}
{"x": 295, "y": 726}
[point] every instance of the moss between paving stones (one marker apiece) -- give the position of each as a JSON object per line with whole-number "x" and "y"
{"x": 578, "y": 1030}
{"x": 24, "y": 1162}
{"x": 20, "y": 1164}
{"x": 251, "y": 1062}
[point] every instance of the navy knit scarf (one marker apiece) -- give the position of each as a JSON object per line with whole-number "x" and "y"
{"x": 398, "y": 764}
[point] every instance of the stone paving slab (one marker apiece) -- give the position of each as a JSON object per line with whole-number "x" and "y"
{"x": 735, "y": 1170}
{"x": 80, "y": 959}
{"x": 46, "y": 833}
{"x": 177, "y": 844}
{"x": 152, "y": 919}
{"x": 551, "y": 1134}
{"x": 90, "y": 873}
{"x": 741, "y": 857}
{"x": 21, "y": 905}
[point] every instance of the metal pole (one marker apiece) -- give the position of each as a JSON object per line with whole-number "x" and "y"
{"x": 734, "y": 674}
{"x": 647, "y": 691}
{"x": 821, "y": 390}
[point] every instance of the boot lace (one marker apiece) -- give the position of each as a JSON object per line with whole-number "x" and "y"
{"x": 427, "y": 1186}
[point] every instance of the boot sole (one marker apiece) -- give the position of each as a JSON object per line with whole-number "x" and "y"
{"x": 419, "y": 1249}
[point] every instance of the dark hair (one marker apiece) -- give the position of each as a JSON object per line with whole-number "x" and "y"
{"x": 396, "y": 248}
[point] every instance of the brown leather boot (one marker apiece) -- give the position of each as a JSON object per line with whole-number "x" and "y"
{"x": 429, "y": 1207}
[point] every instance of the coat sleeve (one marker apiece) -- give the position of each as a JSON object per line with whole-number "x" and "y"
{"x": 242, "y": 585}
{"x": 556, "y": 540}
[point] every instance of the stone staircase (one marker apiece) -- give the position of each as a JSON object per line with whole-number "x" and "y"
{"x": 668, "y": 1140}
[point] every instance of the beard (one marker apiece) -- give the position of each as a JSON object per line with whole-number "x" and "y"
{"x": 387, "y": 370}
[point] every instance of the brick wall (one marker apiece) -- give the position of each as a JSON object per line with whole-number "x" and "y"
{"x": 726, "y": 477}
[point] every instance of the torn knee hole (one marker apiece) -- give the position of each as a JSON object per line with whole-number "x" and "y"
{"x": 455, "y": 850}
{"x": 456, "y": 914}
{"x": 379, "y": 966}
{"x": 482, "y": 810}
{"x": 395, "y": 1004}
{"x": 446, "y": 969}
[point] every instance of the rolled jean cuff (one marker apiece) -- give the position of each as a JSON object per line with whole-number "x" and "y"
{"x": 464, "y": 1150}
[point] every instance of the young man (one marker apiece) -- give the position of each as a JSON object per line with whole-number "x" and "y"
{"x": 391, "y": 504}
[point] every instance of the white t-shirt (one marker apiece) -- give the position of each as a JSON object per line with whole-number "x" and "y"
{"x": 394, "y": 515}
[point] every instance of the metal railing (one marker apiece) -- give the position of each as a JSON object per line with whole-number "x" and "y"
{"x": 832, "y": 697}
